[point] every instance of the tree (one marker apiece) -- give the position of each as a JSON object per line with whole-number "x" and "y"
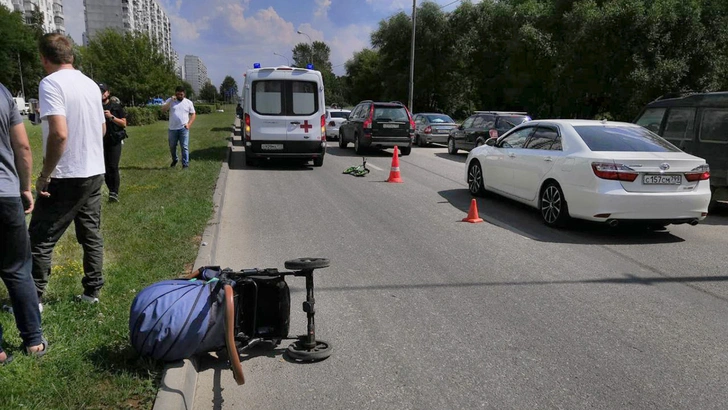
{"x": 19, "y": 48}
{"x": 363, "y": 77}
{"x": 189, "y": 92}
{"x": 131, "y": 64}
{"x": 208, "y": 93}
{"x": 228, "y": 89}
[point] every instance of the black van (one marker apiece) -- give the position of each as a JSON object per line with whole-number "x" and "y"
{"x": 698, "y": 125}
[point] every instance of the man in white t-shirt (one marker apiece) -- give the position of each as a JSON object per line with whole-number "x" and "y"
{"x": 69, "y": 185}
{"x": 181, "y": 116}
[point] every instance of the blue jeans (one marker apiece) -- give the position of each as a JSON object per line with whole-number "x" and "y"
{"x": 181, "y": 136}
{"x": 15, "y": 270}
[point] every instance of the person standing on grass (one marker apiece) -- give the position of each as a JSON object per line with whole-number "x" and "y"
{"x": 181, "y": 116}
{"x": 113, "y": 141}
{"x": 16, "y": 200}
{"x": 69, "y": 184}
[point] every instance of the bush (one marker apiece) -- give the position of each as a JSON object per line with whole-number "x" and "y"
{"x": 140, "y": 116}
{"x": 204, "y": 109}
{"x": 161, "y": 115}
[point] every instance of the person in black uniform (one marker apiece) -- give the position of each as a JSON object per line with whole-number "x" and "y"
{"x": 113, "y": 141}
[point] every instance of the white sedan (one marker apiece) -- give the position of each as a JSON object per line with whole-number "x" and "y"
{"x": 594, "y": 170}
{"x": 334, "y": 118}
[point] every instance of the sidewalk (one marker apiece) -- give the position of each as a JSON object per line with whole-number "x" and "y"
{"x": 180, "y": 379}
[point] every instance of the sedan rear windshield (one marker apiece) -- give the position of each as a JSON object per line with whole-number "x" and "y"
{"x": 339, "y": 114}
{"x": 439, "y": 119}
{"x": 610, "y": 138}
{"x": 390, "y": 114}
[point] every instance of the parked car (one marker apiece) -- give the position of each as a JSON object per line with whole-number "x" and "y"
{"x": 481, "y": 126}
{"x": 594, "y": 170}
{"x": 334, "y": 118}
{"x": 697, "y": 124}
{"x": 432, "y": 127}
{"x": 378, "y": 125}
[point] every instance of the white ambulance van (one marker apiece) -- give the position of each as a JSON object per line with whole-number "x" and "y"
{"x": 284, "y": 114}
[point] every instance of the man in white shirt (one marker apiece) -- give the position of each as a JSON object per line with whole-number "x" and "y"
{"x": 69, "y": 185}
{"x": 181, "y": 116}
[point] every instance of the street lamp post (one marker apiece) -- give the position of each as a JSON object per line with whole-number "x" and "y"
{"x": 412, "y": 54}
{"x": 281, "y": 55}
{"x": 311, "y": 41}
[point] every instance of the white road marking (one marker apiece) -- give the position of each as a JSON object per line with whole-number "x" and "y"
{"x": 374, "y": 167}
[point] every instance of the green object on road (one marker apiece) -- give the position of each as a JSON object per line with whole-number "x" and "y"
{"x": 358, "y": 171}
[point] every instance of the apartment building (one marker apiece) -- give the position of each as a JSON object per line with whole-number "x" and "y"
{"x": 53, "y": 20}
{"x": 145, "y": 16}
{"x": 195, "y": 72}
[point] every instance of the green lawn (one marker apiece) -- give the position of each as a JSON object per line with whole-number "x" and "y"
{"x": 151, "y": 235}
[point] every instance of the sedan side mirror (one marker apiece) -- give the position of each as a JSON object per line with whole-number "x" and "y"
{"x": 460, "y": 127}
{"x": 491, "y": 142}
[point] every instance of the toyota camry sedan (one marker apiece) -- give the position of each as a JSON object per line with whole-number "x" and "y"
{"x": 594, "y": 170}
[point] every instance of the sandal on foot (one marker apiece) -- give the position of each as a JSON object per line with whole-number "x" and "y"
{"x": 39, "y": 353}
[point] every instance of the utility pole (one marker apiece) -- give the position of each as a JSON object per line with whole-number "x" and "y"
{"x": 22, "y": 86}
{"x": 412, "y": 54}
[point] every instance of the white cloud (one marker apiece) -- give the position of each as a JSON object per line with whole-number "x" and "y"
{"x": 322, "y": 8}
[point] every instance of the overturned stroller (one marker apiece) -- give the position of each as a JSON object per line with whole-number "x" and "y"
{"x": 215, "y": 309}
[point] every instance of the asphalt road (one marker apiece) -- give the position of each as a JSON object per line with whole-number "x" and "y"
{"x": 427, "y": 312}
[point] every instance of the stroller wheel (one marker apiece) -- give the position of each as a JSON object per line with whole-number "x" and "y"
{"x": 322, "y": 350}
{"x": 307, "y": 263}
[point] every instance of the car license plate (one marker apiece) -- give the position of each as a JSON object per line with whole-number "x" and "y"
{"x": 390, "y": 125}
{"x": 657, "y": 179}
{"x": 271, "y": 147}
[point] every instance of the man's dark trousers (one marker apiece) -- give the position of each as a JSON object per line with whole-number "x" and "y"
{"x": 15, "y": 265}
{"x": 76, "y": 200}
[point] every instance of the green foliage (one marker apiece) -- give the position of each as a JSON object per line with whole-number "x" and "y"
{"x": 205, "y": 108}
{"x": 131, "y": 64}
{"x": 561, "y": 58}
{"x": 19, "y": 48}
{"x": 161, "y": 115}
{"x": 229, "y": 89}
{"x": 136, "y": 116}
{"x": 208, "y": 93}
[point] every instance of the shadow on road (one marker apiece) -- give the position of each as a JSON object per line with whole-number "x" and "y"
{"x": 349, "y": 152}
{"x": 457, "y": 157}
{"x": 717, "y": 215}
{"x": 526, "y": 221}
{"x": 236, "y": 161}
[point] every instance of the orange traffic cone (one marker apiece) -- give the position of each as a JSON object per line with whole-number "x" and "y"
{"x": 394, "y": 173}
{"x": 473, "y": 217}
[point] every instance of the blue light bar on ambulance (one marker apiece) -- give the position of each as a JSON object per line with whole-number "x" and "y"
{"x": 256, "y": 65}
{"x": 309, "y": 66}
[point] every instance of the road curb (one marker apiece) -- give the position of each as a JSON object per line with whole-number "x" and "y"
{"x": 179, "y": 379}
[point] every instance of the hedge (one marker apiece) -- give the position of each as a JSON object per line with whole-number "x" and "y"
{"x": 204, "y": 108}
{"x": 140, "y": 116}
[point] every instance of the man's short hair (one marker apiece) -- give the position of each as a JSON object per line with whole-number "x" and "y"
{"x": 56, "y": 48}
{"x": 179, "y": 89}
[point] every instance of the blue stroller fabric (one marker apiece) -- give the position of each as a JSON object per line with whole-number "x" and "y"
{"x": 175, "y": 319}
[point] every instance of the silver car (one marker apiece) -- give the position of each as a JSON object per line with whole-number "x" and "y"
{"x": 432, "y": 127}
{"x": 334, "y": 118}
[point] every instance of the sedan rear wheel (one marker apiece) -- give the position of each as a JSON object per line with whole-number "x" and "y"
{"x": 476, "y": 184}
{"x": 420, "y": 142}
{"x": 554, "y": 210}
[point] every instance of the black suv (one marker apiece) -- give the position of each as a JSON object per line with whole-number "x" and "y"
{"x": 378, "y": 125}
{"x": 482, "y": 126}
{"x": 698, "y": 125}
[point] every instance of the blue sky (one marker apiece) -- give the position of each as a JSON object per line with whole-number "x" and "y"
{"x": 230, "y": 35}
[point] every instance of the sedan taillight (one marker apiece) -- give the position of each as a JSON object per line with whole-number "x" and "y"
{"x": 617, "y": 172}
{"x": 428, "y": 130}
{"x": 332, "y": 124}
{"x": 701, "y": 173}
